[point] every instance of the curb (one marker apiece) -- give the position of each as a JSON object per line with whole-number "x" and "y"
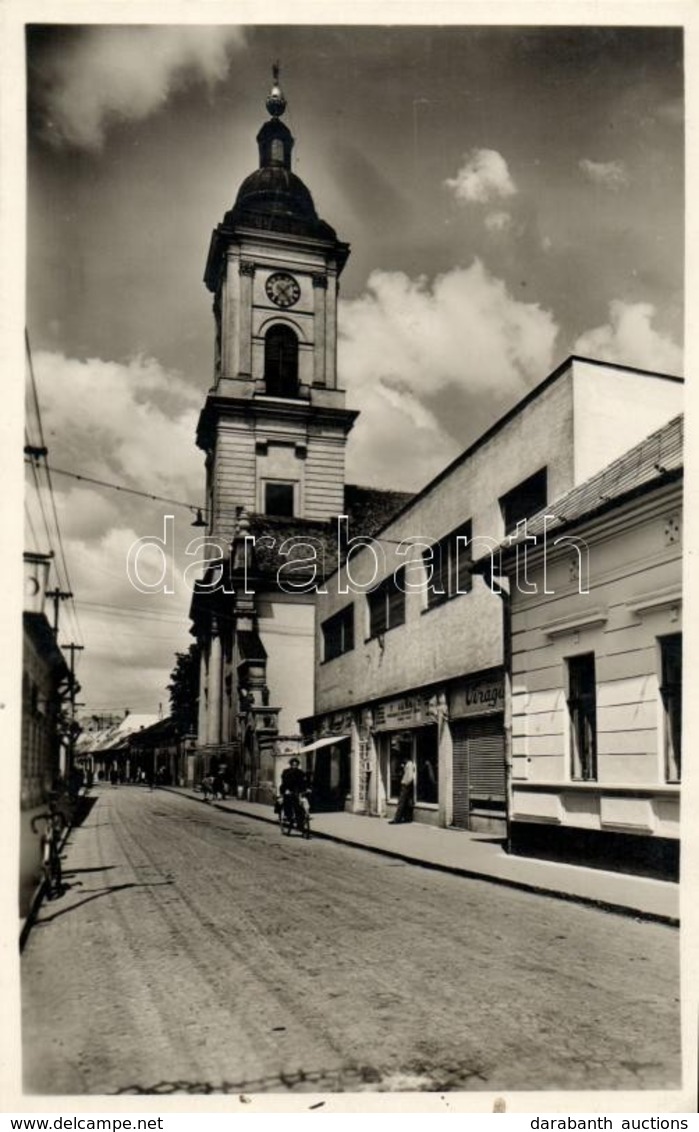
{"x": 458, "y": 870}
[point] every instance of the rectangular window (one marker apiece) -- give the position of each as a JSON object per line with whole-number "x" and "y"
{"x": 279, "y": 499}
{"x": 671, "y": 696}
{"x": 420, "y": 746}
{"x": 387, "y": 604}
{"x": 338, "y": 633}
{"x": 524, "y": 500}
{"x": 450, "y": 563}
{"x": 582, "y": 709}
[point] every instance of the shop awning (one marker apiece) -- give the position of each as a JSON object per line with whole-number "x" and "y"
{"x": 326, "y": 742}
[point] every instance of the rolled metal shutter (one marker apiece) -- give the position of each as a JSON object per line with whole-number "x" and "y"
{"x": 478, "y": 767}
{"x": 460, "y": 802}
{"x": 487, "y": 762}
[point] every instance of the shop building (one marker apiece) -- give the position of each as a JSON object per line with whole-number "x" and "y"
{"x": 596, "y": 669}
{"x": 409, "y": 644}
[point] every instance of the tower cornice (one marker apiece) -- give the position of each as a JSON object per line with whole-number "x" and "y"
{"x": 226, "y": 235}
{"x": 260, "y": 409}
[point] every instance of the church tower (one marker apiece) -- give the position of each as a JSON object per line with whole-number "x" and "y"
{"x": 275, "y": 425}
{"x": 274, "y": 429}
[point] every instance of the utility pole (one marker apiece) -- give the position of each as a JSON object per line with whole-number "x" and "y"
{"x": 74, "y": 689}
{"x": 57, "y": 596}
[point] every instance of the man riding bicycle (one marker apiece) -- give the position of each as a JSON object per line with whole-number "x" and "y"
{"x": 293, "y": 787}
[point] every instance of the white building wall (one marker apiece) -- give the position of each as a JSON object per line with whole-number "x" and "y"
{"x": 465, "y": 634}
{"x": 234, "y": 476}
{"x": 632, "y": 565}
{"x": 325, "y": 476}
{"x": 286, "y": 629}
{"x": 614, "y": 409}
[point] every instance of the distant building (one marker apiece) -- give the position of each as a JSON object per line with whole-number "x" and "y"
{"x": 596, "y": 644}
{"x": 158, "y": 753}
{"x": 106, "y": 747}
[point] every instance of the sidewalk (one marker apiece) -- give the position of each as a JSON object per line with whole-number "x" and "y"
{"x": 475, "y": 855}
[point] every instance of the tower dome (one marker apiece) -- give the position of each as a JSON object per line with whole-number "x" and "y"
{"x": 272, "y": 198}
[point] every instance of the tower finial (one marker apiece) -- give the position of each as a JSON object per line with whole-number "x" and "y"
{"x": 276, "y": 103}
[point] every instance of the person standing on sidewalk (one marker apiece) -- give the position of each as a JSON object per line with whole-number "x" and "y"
{"x": 404, "y": 809}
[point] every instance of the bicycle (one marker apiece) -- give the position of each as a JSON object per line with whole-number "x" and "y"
{"x": 295, "y": 813}
{"x": 54, "y": 824}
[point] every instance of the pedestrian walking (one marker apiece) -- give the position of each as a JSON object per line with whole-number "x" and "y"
{"x": 404, "y": 809}
{"x": 219, "y": 787}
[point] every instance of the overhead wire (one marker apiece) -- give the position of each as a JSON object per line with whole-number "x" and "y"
{"x": 130, "y": 612}
{"x": 40, "y": 498}
{"x": 77, "y": 632}
{"x": 122, "y": 487}
{"x": 30, "y": 524}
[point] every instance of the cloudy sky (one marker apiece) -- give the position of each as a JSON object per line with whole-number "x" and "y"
{"x": 511, "y": 195}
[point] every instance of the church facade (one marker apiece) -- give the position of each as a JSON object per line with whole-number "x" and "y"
{"x": 274, "y": 430}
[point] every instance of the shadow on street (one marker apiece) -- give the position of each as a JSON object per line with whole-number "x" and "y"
{"x": 43, "y": 920}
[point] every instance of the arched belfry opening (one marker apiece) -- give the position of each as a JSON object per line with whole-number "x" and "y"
{"x": 281, "y": 362}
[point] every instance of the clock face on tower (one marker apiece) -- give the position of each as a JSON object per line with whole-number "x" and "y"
{"x": 282, "y": 289}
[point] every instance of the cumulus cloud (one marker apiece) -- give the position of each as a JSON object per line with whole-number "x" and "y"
{"x": 630, "y": 339}
{"x": 133, "y": 420}
{"x": 110, "y": 74}
{"x": 130, "y": 637}
{"x": 609, "y": 174}
{"x": 498, "y": 221}
{"x": 130, "y": 423}
{"x": 405, "y": 340}
{"x": 483, "y": 177}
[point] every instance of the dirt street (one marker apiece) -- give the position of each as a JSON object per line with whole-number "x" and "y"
{"x": 197, "y": 951}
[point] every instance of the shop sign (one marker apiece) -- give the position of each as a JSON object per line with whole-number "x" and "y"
{"x": 408, "y": 711}
{"x": 477, "y": 697}
{"x": 340, "y": 723}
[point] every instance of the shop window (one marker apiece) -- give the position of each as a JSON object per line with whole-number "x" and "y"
{"x": 387, "y": 604}
{"x": 524, "y": 500}
{"x": 338, "y": 633}
{"x": 426, "y": 766}
{"x": 671, "y": 696}
{"x": 420, "y": 746}
{"x": 450, "y": 560}
{"x": 582, "y": 709}
{"x": 279, "y": 499}
{"x": 281, "y": 362}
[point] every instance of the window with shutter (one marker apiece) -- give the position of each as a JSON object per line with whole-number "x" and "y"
{"x": 338, "y": 633}
{"x": 451, "y": 560}
{"x": 387, "y": 604}
{"x": 524, "y": 500}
